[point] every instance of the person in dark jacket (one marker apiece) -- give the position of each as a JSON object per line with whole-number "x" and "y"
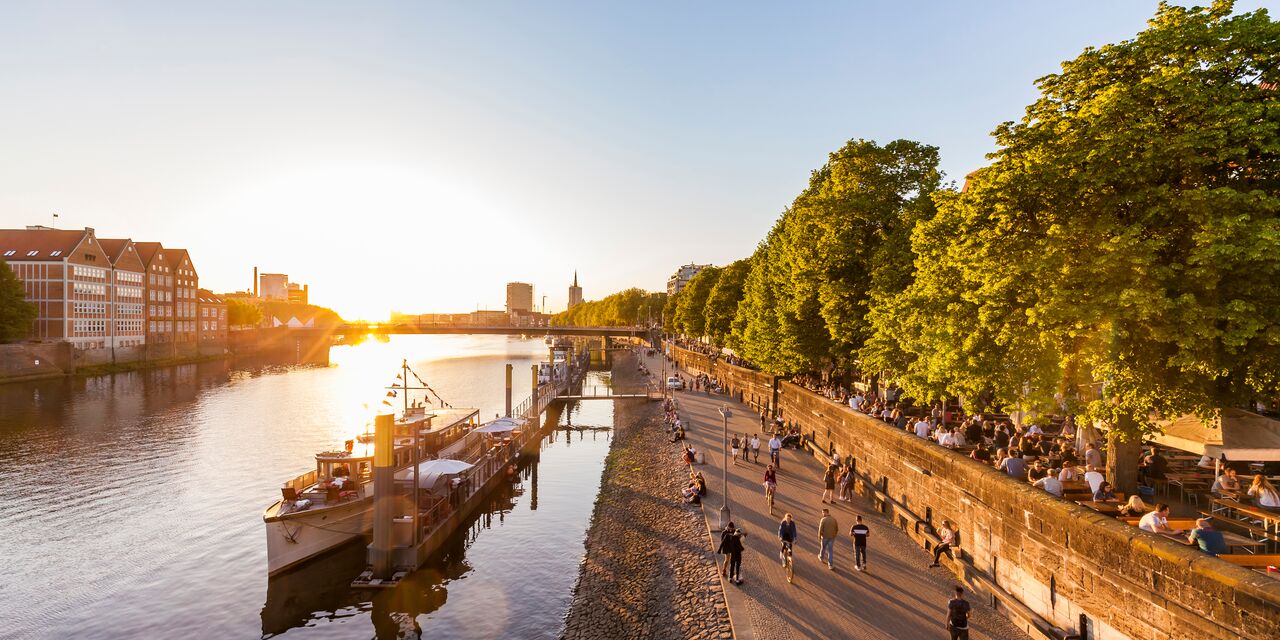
{"x": 731, "y": 547}
{"x": 787, "y": 532}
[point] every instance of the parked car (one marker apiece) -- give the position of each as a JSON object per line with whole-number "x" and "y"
{"x": 674, "y": 382}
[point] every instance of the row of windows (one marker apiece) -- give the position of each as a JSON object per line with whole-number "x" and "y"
{"x": 161, "y": 296}
{"x": 160, "y": 310}
{"x": 160, "y": 280}
{"x": 87, "y": 289}
{"x": 129, "y": 276}
{"x": 92, "y": 273}
{"x": 87, "y": 328}
{"x": 128, "y": 292}
{"x": 128, "y": 326}
{"x": 90, "y": 309}
{"x": 212, "y": 312}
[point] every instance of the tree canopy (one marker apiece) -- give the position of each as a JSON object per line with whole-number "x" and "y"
{"x": 623, "y": 309}
{"x": 16, "y": 314}
{"x": 1121, "y": 254}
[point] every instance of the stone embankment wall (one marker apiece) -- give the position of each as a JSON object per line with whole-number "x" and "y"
{"x": 1055, "y": 558}
{"x": 35, "y": 360}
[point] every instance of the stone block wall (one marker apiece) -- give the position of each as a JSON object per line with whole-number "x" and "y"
{"x": 1055, "y": 557}
{"x": 25, "y": 361}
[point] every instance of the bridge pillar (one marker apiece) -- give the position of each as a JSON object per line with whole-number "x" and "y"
{"x": 508, "y": 413}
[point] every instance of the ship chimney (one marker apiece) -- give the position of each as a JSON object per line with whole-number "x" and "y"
{"x": 255, "y": 282}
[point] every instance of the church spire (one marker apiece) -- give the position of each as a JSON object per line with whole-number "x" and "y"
{"x": 575, "y": 277}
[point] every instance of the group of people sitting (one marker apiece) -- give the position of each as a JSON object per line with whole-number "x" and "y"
{"x": 1261, "y": 490}
{"x": 696, "y": 490}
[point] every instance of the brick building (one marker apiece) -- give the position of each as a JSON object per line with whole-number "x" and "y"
{"x": 158, "y": 287}
{"x": 128, "y": 315}
{"x": 66, "y": 275}
{"x": 212, "y": 325}
{"x": 186, "y": 282}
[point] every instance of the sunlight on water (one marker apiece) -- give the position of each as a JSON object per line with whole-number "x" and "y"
{"x": 135, "y": 501}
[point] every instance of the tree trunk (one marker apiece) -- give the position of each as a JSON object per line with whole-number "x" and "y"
{"x": 1122, "y": 462}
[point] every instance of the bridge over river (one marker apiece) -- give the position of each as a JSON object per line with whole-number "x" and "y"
{"x": 473, "y": 329}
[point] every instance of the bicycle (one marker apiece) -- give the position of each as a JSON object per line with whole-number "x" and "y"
{"x": 769, "y": 489}
{"x": 788, "y": 561}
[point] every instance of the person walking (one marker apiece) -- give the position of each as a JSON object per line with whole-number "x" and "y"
{"x": 828, "y": 530}
{"x": 733, "y": 447}
{"x": 755, "y": 448}
{"x": 731, "y": 547}
{"x": 746, "y": 448}
{"x": 775, "y": 451}
{"x": 829, "y": 484}
{"x": 958, "y": 616}
{"x": 860, "y": 532}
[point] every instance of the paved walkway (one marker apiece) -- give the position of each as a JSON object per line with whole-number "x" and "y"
{"x": 898, "y": 597}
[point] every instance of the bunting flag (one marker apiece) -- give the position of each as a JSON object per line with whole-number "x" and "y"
{"x": 398, "y": 376}
{"x": 391, "y": 394}
{"x": 386, "y": 403}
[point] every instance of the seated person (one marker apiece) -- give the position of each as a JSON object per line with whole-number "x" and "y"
{"x": 1095, "y": 478}
{"x": 1157, "y": 521}
{"x": 1209, "y": 540}
{"x": 1263, "y": 493}
{"x": 1036, "y": 472}
{"x": 1134, "y": 507}
{"x": 1068, "y": 472}
{"x": 1013, "y": 465}
{"x": 1153, "y": 466}
{"x": 1227, "y": 485}
{"x": 1104, "y": 493}
{"x": 1050, "y": 484}
{"x": 982, "y": 454}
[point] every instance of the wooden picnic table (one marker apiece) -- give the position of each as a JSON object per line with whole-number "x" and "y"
{"x": 1108, "y": 508}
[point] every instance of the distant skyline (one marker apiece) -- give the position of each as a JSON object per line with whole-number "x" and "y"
{"x": 418, "y": 157}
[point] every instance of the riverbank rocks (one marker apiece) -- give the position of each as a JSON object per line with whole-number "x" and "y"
{"x": 647, "y": 572}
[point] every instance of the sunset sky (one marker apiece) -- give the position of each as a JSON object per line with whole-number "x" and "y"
{"x": 417, "y": 156}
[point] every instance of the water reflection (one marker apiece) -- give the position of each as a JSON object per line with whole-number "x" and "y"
{"x": 134, "y": 501}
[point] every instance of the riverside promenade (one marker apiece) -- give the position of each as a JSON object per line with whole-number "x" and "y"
{"x": 899, "y": 596}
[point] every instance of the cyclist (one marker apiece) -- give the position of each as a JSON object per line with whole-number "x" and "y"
{"x": 775, "y": 451}
{"x": 787, "y": 536}
{"x": 770, "y": 480}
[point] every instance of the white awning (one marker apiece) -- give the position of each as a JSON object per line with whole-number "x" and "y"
{"x": 501, "y": 425}
{"x": 1238, "y": 435}
{"x": 430, "y": 471}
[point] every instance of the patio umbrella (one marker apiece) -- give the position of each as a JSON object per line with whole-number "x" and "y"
{"x": 430, "y": 471}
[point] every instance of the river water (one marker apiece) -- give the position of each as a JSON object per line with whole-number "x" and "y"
{"x": 133, "y": 503}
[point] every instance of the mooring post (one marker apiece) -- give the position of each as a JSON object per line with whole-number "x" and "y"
{"x": 536, "y": 409}
{"x": 384, "y": 487}
{"x": 508, "y": 413}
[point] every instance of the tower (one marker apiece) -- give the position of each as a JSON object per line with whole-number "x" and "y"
{"x": 575, "y": 292}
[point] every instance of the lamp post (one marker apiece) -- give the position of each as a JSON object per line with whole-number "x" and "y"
{"x": 724, "y": 509}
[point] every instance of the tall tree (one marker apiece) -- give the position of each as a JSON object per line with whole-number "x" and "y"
{"x": 16, "y": 314}
{"x": 691, "y": 315}
{"x": 722, "y": 302}
{"x": 1121, "y": 254}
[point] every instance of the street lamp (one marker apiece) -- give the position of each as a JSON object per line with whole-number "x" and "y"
{"x": 724, "y": 509}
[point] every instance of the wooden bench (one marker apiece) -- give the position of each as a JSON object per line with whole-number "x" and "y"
{"x": 1253, "y": 529}
{"x": 1262, "y": 560}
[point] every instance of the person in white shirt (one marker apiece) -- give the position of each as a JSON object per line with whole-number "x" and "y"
{"x": 1034, "y": 430}
{"x": 957, "y": 435}
{"x": 1263, "y": 493}
{"x": 1050, "y": 484}
{"x": 856, "y": 401}
{"x": 946, "y": 438}
{"x": 1094, "y": 478}
{"x": 922, "y": 428}
{"x": 1158, "y": 521}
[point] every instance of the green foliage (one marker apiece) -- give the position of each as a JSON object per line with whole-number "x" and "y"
{"x": 840, "y": 244}
{"x": 722, "y": 302}
{"x": 16, "y": 314}
{"x": 623, "y": 309}
{"x": 284, "y": 310}
{"x": 1121, "y": 254}
{"x": 243, "y": 313}
{"x": 691, "y": 319}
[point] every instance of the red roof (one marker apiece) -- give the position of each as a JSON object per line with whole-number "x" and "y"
{"x": 208, "y": 297}
{"x": 175, "y": 256}
{"x": 147, "y": 251}
{"x": 114, "y": 247}
{"x": 38, "y": 244}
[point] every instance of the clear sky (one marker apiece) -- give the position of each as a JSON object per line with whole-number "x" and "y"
{"x": 417, "y": 156}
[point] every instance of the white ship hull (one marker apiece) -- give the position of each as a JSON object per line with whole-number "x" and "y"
{"x": 293, "y": 538}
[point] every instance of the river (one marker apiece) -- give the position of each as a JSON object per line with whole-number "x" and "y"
{"x": 133, "y": 502}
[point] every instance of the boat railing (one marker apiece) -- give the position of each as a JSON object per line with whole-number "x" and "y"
{"x": 302, "y": 482}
